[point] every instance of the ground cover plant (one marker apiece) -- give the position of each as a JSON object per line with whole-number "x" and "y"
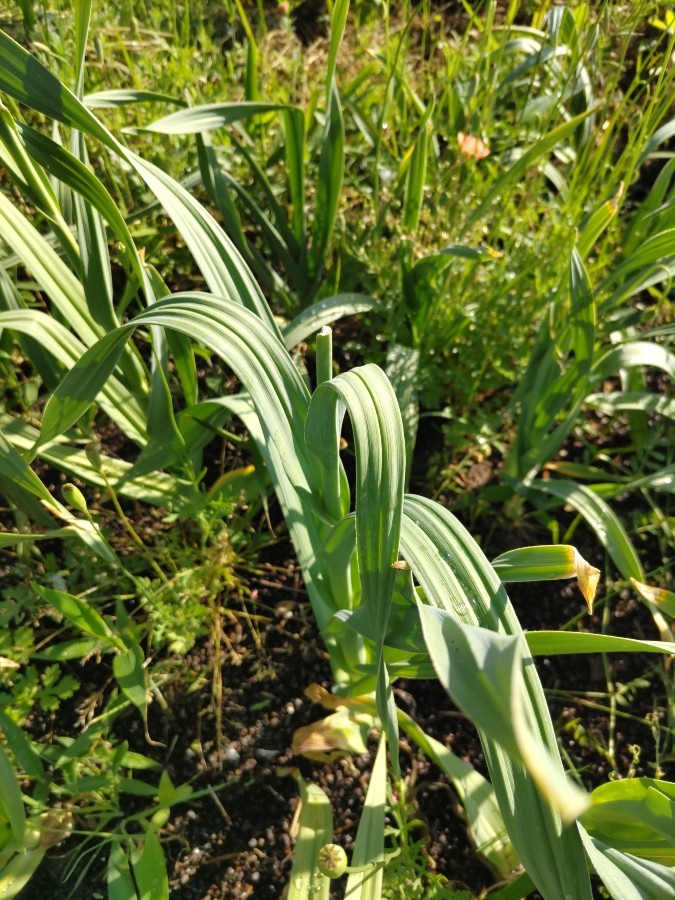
{"x": 151, "y": 315}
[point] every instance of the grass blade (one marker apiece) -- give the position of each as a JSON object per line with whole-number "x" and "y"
{"x": 604, "y": 522}
{"x": 369, "y": 844}
{"x": 329, "y": 188}
{"x": 544, "y": 643}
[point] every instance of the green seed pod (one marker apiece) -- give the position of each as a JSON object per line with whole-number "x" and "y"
{"x": 74, "y": 496}
{"x": 332, "y": 860}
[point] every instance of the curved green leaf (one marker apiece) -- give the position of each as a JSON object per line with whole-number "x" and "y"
{"x": 122, "y": 407}
{"x": 78, "y": 613}
{"x": 325, "y": 312}
{"x": 626, "y": 401}
{"x": 483, "y": 673}
{"x": 367, "y": 395}
{"x": 548, "y": 563}
{"x": 551, "y": 643}
{"x": 369, "y": 843}
{"x": 634, "y": 353}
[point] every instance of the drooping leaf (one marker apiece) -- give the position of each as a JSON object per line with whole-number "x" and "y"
{"x": 548, "y": 564}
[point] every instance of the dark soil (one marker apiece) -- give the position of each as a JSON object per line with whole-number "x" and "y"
{"x": 236, "y": 841}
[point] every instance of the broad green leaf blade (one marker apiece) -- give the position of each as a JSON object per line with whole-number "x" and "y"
{"x": 49, "y": 270}
{"x": 22, "y": 747}
{"x": 635, "y": 815}
{"x": 94, "y": 253}
{"x": 76, "y": 649}
{"x": 22, "y": 486}
{"x": 601, "y": 519}
{"x": 402, "y": 369}
{"x": 595, "y": 225}
{"x": 294, "y": 127}
{"x": 44, "y": 364}
{"x": 157, "y": 488}
{"x": 18, "y": 872}
{"x": 78, "y": 613}
{"x": 120, "y": 880}
{"x": 34, "y": 183}
{"x": 130, "y": 675}
{"x": 315, "y": 828}
{"x": 150, "y": 871}
{"x": 455, "y": 575}
{"x": 114, "y": 99}
{"x": 28, "y": 81}
{"x": 81, "y": 385}
{"x": 661, "y": 135}
{"x": 369, "y": 844}
{"x": 634, "y": 353}
{"x": 338, "y": 22}
{"x": 67, "y": 168}
{"x": 125, "y": 409}
{"x": 367, "y": 395}
{"x": 416, "y": 179}
{"x": 210, "y": 116}
{"x": 551, "y": 643}
{"x": 82, "y": 18}
{"x": 632, "y": 401}
{"x": 486, "y": 825}
{"x": 220, "y": 262}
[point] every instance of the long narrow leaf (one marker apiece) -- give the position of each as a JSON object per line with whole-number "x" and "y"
{"x": 456, "y": 576}
{"x": 369, "y": 844}
{"x": 550, "y": 643}
{"x": 380, "y": 460}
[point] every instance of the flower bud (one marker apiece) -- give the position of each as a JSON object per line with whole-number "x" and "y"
{"x": 332, "y": 860}
{"x": 74, "y": 497}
